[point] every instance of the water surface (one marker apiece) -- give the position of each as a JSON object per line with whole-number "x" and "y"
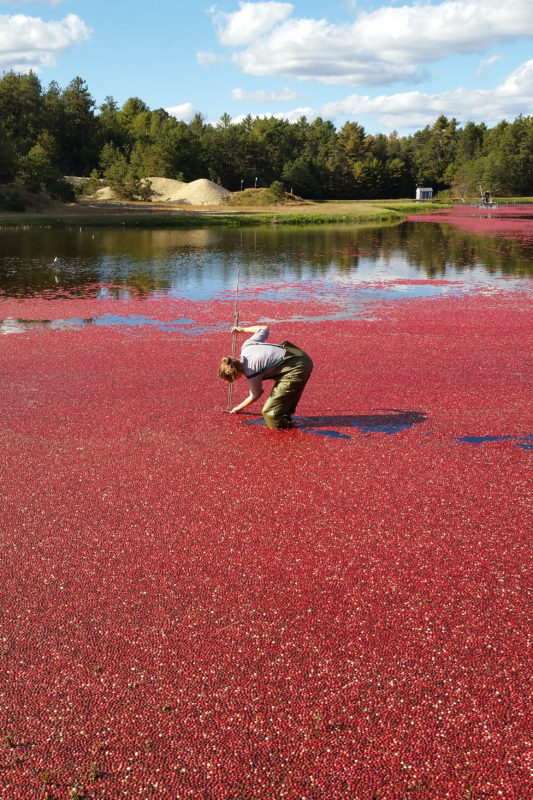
{"x": 359, "y": 265}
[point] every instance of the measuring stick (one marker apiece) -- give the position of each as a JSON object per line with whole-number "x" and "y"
{"x": 234, "y": 334}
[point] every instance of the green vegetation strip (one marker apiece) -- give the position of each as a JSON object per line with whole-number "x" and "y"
{"x": 367, "y": 213}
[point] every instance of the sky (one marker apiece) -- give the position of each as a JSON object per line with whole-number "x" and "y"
{"x": 393, "y": 65}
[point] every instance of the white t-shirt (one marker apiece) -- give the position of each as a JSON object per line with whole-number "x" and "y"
{"x": 259, "y": 360}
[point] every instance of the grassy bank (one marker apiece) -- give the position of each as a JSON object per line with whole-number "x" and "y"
{"x": 134, "y": 215}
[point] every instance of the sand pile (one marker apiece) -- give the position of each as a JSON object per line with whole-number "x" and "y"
{"x": 165, "y": 190}
{"x": 105, "y": 193}
{"x": 198, "y": 193}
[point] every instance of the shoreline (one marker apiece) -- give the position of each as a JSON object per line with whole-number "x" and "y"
{"x": 134, "y": 214}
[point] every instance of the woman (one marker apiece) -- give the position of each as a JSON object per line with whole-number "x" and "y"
{"x": 285, "y": 364}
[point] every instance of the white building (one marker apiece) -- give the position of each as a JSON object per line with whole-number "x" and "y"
{"x": 424, "y": 193}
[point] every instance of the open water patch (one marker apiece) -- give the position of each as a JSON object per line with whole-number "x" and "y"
{"x": 387, "y": 421}
{"x": 524, "y": 442}
{"x": 328, "y": 434}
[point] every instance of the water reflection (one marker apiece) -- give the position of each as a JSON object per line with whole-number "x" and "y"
{"x": 184, "y": 325}
{"x": 200, "y": 264}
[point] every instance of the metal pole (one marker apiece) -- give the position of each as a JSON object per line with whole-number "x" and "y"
{"x": 234, "y": 334}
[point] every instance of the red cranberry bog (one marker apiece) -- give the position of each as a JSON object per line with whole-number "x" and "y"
{"x": 194, "y": 606}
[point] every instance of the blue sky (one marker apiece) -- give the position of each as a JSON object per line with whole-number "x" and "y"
{"x": 387, "y": 65}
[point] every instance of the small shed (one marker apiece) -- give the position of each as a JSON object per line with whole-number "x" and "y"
{"x": 424, "y": 193}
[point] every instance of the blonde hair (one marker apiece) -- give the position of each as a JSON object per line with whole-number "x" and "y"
{"x": 230, "y": 369}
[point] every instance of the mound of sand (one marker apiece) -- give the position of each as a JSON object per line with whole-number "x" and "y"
{"x": 105, "y": 193}
{"x": 165, "y": 190}
{"x": 198, "y": 193}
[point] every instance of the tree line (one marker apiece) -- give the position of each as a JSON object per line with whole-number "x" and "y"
{"x": 46, "y": 134}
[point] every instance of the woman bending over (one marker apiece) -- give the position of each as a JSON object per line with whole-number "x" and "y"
{"x": 285, "y": 364}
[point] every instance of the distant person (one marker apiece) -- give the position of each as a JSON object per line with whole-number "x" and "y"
{"x": 285, "y": 364}
{"x": 486, "y": 198}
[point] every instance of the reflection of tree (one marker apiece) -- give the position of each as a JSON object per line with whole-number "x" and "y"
{"x": 12, "y": 325}
{"x": 141, "y": 262}
{"x": 37, "y": 261}
{"x": 436, "y": 247}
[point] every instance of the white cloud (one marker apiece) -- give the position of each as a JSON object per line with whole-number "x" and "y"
{"x": 207, "y": 59}
{"x": 251, "y": 21}
{"x": 185, "y": 112}
{"x": 297, "y": 113}
{"x": 416, "y": 109}
{"x": 379, "y": 47}
{"x": 487, "y": 62}
{"x": 30, "y": 43}
{"x": 260, "y": 96}
{"x": 292, "y": 116}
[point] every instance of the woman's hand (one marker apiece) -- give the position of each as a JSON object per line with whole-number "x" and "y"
{"x": 245, "y": 403}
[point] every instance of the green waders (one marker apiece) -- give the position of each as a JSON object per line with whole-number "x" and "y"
{"x": 289, "y": 382}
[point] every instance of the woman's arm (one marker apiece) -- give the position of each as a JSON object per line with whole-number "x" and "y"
{"x": 251, "y": 398}
{"x": 245, "y": 403}
{"x": 250, "y": 329}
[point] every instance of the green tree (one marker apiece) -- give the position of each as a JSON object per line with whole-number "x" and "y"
{"x": 43, "y": 135}
{"x": 8, "y": 157}
{"x": 35, "y": 169}
{"x": 125, "y": 177}
{"x": 222, "y": 143}
{"x": 309, "y": 174}
{"x": 433, "y": 151}
{"x": 21, "y": 110}
{"x": 109, "y": 123}
{"x": 397, "y": 178}
{"x": 114, "y": 167}
{"x": 277, "y": 191}
{"x": 130, "y": 110}
{"x": 38, "y": 170}
{"x": 351, "y": 150}
{"x": 78, "y": 139}
{"x": 275, "y": 145}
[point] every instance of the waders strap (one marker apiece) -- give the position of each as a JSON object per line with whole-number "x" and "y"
{"x": 260, "y": 371}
